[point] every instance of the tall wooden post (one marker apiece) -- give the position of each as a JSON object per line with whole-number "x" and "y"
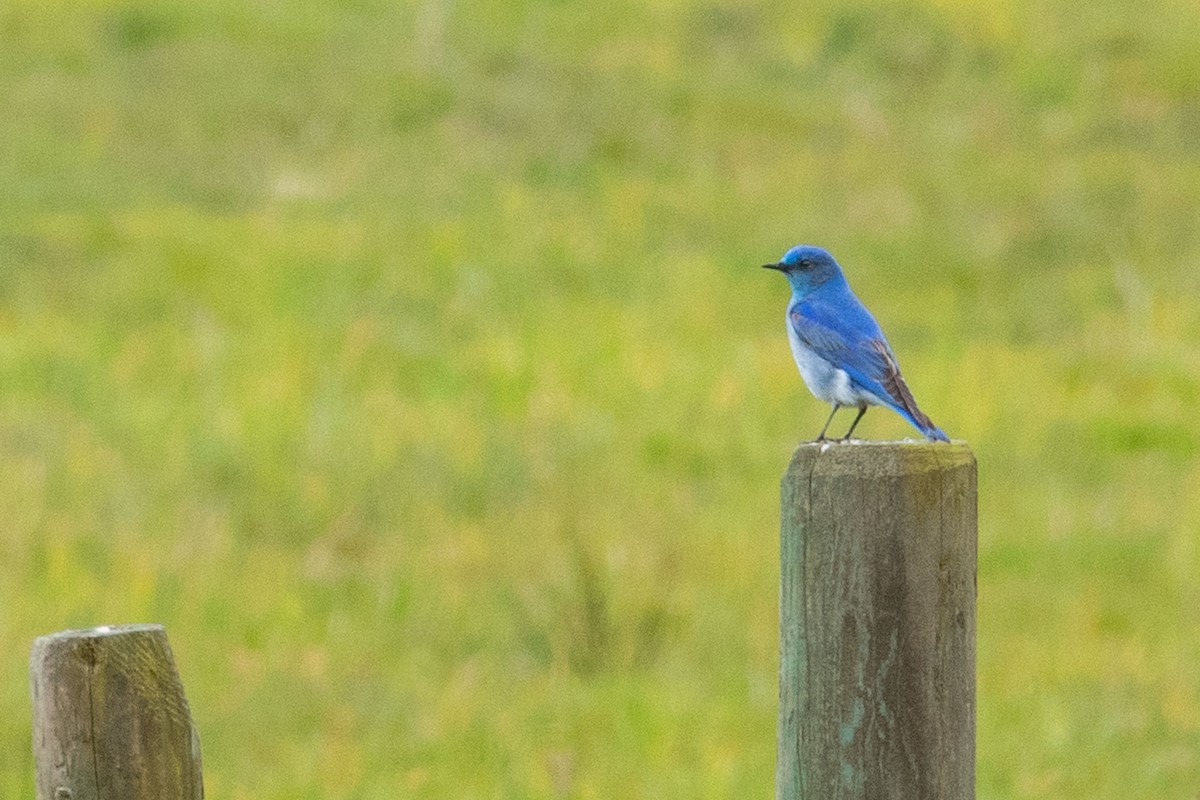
{"x": 877, "y": 623}
{"x": 110, "y": 719}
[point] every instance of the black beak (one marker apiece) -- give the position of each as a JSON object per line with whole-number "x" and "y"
{"x": 777, "y": 266}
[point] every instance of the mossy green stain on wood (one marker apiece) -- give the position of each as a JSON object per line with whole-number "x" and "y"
{"x": 877, "y": 610}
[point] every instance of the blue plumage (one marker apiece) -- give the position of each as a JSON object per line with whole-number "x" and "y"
{"x": 839, "y": 348}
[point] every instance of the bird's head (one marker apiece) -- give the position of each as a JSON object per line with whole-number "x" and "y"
{"x": 807, "y": 267}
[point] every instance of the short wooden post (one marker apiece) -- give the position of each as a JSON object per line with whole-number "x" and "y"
{"x": 877, "y": 623}
{"x": 110, "y": 720}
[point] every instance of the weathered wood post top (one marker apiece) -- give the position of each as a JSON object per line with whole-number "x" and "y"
{"x": 110, "y": 719}
{"x": 877, "y": 622}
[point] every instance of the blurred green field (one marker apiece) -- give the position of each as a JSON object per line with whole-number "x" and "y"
{"x": 412, "y": 364}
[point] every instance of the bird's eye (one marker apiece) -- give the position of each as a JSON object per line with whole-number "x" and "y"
{"x": 805, "y": 263}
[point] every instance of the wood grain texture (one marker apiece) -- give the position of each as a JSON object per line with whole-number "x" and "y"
{"x": 110, "y": 720}
{"x": 877, "y": 622}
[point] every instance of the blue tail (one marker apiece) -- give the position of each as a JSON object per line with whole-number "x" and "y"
{"x": 935, "y": 434}
{"x": 894, "y": 393}
{"x": 922, "y": 423}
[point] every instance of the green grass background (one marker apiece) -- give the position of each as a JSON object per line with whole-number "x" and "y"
{"x": 412, "y": 364}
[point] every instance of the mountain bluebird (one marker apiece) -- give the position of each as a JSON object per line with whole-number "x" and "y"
{"x": 838, "y": 346}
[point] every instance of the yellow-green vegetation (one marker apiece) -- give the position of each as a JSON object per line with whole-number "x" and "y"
{"x": 413, "y": 365}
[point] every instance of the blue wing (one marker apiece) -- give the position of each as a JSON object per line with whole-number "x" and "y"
{"x": 847, "y": 336}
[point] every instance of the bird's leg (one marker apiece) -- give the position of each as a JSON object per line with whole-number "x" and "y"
{"x": 821, "y": 435}
{"x": 861, "y": 410}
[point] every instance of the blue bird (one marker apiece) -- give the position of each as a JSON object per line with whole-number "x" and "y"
{"x": 838, "y": 346}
